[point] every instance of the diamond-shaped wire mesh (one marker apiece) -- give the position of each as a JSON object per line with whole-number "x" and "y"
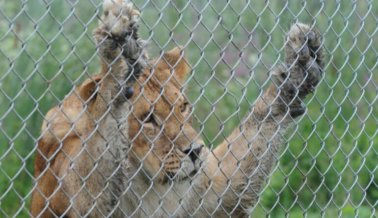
{"x": 149, "y": 161}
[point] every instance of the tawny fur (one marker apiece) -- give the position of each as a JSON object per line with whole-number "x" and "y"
{"x": 97, "y": 157}
{"x": 83, "y": 139}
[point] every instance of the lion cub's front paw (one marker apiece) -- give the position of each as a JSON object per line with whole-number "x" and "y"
{"x": 303, "y": 67}
{"x": 120, "y": 18}
{"x": 119, "y": 46}
{"x": 303, "y": 43}
{"x": 119, "y": 24}
{"x": 117, "y": 36}
{"x": 304, "y": 57}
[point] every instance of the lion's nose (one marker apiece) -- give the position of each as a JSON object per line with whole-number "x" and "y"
{"x": 194, "y": 151}
{"x": 128, "y": 92}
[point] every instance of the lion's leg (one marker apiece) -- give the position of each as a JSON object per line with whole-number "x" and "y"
{"x": 239, "y": 166}
{"x": 121, "y": 51}
{"x": 91, "y": 180}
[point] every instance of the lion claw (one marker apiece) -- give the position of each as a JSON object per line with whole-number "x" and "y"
{"x": 296, "y": 111}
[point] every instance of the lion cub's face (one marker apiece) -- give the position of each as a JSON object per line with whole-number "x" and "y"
{"x": 164, "y": 142}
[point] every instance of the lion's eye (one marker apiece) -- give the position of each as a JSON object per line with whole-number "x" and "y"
{"x": 149, "y": 118}
{"x": 185, "y": 107}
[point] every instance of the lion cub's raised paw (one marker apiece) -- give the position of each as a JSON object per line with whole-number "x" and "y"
{"x": 120, "y": 18}
{"x": 303, "y": 43}
{"x": 119, "y": 23}
{"x": 304, "y": 57}
{"x": 303, "y": 67}
{"x": 117, "y": 37}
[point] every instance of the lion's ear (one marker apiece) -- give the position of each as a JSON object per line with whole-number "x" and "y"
{"x": 175, "y": 60}
{"x": 88, "y": 88}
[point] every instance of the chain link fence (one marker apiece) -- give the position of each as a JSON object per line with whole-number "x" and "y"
{"x": 327, "y": 164}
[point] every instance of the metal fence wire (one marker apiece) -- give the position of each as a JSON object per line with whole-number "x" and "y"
{"x": 185, "y": 108}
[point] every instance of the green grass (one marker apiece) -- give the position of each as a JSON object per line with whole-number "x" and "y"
{"x": 329, "y": 164}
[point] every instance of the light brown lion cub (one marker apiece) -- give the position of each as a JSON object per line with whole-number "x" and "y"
{"x": 98, "y": 158}
{"x": 84, "y": 139}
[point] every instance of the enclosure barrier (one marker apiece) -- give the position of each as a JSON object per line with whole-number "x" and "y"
{"x": 326, "y": 161}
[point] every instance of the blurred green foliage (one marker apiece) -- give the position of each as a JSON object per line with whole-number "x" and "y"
{"x": 329, "y": 162}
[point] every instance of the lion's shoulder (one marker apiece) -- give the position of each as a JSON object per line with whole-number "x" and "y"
{"x": 63, "y": 125}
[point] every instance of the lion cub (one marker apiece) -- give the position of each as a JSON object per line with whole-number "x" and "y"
{"x": 84, "y": 138}
{"x": 98, "y": 157}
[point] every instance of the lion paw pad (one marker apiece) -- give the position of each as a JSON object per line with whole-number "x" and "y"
{"x": 302, "y": 42}
{"x": 120, "y": 18}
